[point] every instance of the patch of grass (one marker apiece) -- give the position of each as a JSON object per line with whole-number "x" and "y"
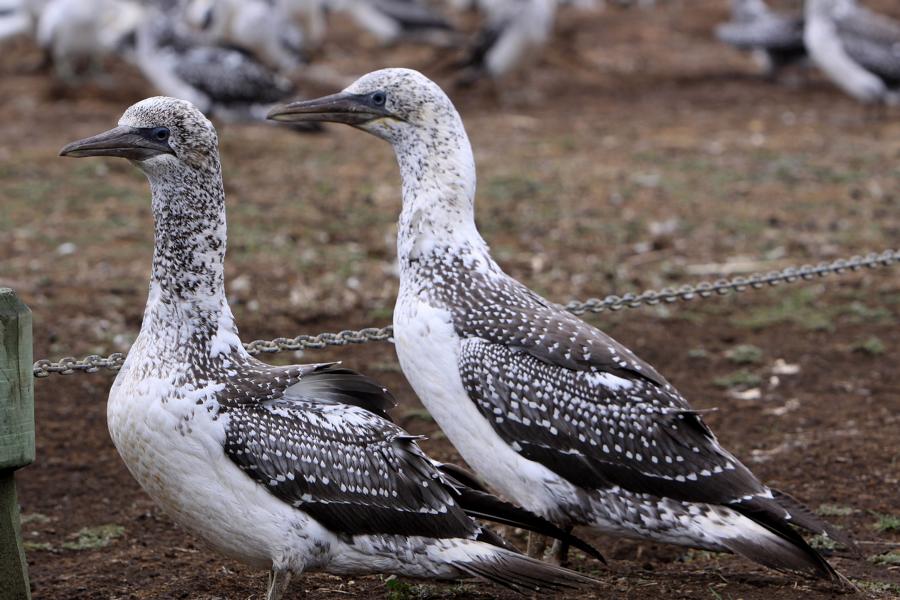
{"x": 89, "y": 538}
{"x": 398, "y": 590}
{"x": 872, "y": 586}
{"x": 34, "y": 518}
{"x": 798, "y": 307}
{"x": 697, "y": 353}
{"x": 738, "y": 379}
{"x": 887, "y": 523}
{"x": 823, "y": 542}
{"x": 37, "y": 546}
{"x": 891, "y": 558}
{"x": 744, "y": 354}
{"x": 872, "y": 346}
{"x": 835, "y": 510}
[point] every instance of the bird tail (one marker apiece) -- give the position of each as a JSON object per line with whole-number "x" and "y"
{"x": 803, "y": 517}
{"x": 478, "y": 503}
{"x": 514, "y": 571}
{"x": 767, "y": 537}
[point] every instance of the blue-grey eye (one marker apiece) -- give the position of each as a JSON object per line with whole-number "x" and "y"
{"x": 379, "y": 98}
{"x": 160, "y": 134}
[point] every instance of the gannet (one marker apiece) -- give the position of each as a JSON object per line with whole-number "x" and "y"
{"x": 76, "y": 33}
{"x": 514, "y": 33}
{"x": 857, "y": 49}
{"x": 293, "y": 468}
{"x": 775, "y": 39}
{"x": 258, "y": 27}
{"x": 224, "y": 82}
{"x": 547, "y": 409}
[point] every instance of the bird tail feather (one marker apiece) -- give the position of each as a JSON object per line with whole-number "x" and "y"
{"x": 520, "y": 573}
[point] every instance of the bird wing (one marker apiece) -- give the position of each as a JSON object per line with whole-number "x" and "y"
{"x": 879, "y": 58}
{"x": 568, "y": 396}
{"x": 598, "y": 429}
{"x": 346, "y": 466}
{"x": 229, "y": 75}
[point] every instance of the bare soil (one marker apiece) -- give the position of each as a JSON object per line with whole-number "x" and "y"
{"x": 638, "y": 153}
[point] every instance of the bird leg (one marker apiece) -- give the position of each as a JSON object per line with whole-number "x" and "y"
{"x": 559, "y": 552}
{"x": 536, "y": 545}
{"x": 278, "y": 582}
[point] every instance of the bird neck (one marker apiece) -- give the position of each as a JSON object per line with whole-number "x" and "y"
{"x": 438, "y": 180}
{"x": 187, "y": 283}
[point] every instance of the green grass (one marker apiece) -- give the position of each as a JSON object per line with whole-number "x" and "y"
{"x": 89, "y": 538}
{"x": 887, "y": 523}
{"x": 835, "y": 510}
{"x": 872, "y": 345}
{"x": 744, "y": 354}
{"x": 738, "y": 379}
{"x": 889, "y": 559}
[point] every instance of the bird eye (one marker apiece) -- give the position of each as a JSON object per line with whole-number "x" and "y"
{"x": 379, "y": 98}
{"x": 160, "y": 134}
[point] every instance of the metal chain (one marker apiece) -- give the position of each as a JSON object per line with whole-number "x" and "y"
{"x": 720, "y": 287}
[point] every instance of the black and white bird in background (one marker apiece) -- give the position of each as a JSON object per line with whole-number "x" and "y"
{"x": 225, "y": 82}
{"x": 393, "y": 21}
{"x": 856, "y": 48}
{"x": 294, "y": 468}
{"x": 774, "y": 38}
{"x": 547, "y": 409}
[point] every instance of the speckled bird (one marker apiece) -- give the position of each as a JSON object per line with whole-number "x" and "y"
{"x": 547, "y": 409}
{"x": 859, "y": 50}
{"x": 294, "y": 468}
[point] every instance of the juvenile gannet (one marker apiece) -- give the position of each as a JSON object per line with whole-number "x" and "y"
{"x": 775, "y": 39}
{"x": 514, "y": 32}
{"x": 547, "y": 409}
{"x": 224, "y": 82}
{"x": 291, "y": 468}
{"x": 857, "y": 49}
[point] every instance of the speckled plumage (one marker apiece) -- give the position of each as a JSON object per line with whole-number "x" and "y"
{"x": 549, "y": 410}
{"x": 856, "y": 48}
{"x": 224, "y": 82}
{"x": 290, "y": 468}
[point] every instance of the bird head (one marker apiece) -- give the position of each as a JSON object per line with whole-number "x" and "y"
{"x": 392, "y": 104}
{"x": 157, "y": 134}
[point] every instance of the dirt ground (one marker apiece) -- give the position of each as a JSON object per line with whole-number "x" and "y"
{"x": 639, "y": 153}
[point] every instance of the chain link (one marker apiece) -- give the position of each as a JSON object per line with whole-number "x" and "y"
{"x": 685, "y": 293}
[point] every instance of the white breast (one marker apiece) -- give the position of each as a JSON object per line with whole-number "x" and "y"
{"x": 428, "y": 350}
{"x": 174, "y": 449}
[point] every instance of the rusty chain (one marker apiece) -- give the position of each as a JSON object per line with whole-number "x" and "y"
{"x": 720, "y": 287}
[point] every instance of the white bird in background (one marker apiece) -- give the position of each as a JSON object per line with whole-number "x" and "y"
{"x": 79, "y": 34}
{"x": 515, "y": 31}
{"x": 255, "y": 26}
{"x": 550, "y": 411}
{"x": 291, "y": 468}
{"x": 856, "y": 48}
{"x": 775, "y": 39}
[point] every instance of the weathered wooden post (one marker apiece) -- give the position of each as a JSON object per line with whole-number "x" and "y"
{"x": 16, "y": 437}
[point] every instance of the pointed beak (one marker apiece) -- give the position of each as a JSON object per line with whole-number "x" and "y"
{"x": 123, "y": 142}
{"x": 349, "y": 109}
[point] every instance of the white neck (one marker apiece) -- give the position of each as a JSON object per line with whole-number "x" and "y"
{"x": 438, "y": 174}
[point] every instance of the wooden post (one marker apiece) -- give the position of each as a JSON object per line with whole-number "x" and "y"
{"x": 16, "y": 437}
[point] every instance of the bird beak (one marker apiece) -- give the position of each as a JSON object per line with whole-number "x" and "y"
{"x": 123, "y": 142}
{"x": 350, "y": 109}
